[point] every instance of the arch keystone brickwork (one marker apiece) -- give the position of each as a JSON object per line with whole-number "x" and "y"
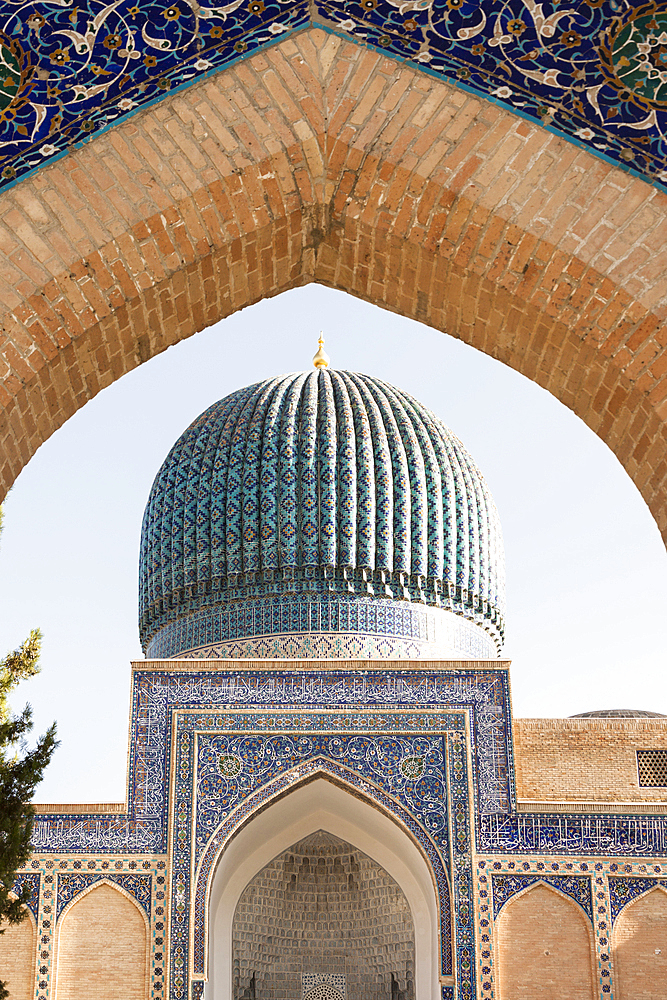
{"x": 319, "y": 160}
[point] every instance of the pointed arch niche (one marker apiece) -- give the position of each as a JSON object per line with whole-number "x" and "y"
{"x": 18, "y": 958}
{"x": 640, "y": 948}
{"x": 544, "y": 947}
{"x": 102, "y": 946}
{"x": 321, "y": 805}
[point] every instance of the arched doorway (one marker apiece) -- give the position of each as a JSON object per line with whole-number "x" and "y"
{"x": 323, "y": 921}
{"x": 322, "y": 806}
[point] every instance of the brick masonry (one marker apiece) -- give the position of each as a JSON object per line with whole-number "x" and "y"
{"x": 585, "y": 760}
{"x": 318, "y": 160}
{"x": 323, "y": 908}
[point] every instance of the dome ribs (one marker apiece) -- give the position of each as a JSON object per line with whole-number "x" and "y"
{"x": 191, "y": 493}
{"x": 235, "y": 482}
{"x": 348, "y": 486}
{"x": 322, "y": 501}
{"x": 219, "y": 485}
{"x": 366, "y": 507}
{"x": 308, "y": 505}
{"x": 327, "y": 469}
{"x": 432, "y": 490}
{"x": 250, "y": 498}
{"x": 418, "y": 495}
{"x": 384, "y": 497}
{"x": 287, "y": 506}
{"x": 400, "y": 481}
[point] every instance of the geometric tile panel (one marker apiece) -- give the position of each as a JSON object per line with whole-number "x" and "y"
{"x": 594, "y": 71}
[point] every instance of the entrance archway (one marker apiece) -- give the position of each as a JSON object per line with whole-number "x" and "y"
{"x": 320, "y": 161}
{"x": 321, "y": 805}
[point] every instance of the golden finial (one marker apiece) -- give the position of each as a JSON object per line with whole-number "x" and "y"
{"x": 321, "y": 359}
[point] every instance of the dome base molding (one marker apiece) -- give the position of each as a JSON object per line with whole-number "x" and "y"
{"x": 334, "y": 629}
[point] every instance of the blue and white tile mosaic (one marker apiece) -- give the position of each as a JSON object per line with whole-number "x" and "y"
{"x": 592, "y": 71}
{"x": 72, "y": 884}
{"x": 28, "y": 884}
{"x": 576, "y": 887}
{"x": 623, "y": 889}
{"x": 319, "y": 502}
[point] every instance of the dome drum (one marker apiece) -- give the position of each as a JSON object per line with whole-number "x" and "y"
{"x": 304, "y": 628}
{"x": 322, "y": 582}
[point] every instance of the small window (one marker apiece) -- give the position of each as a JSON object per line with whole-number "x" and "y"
{"x": 652, "y": 768}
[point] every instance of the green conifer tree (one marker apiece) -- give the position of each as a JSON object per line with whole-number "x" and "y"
{"x": 21, "y": 771}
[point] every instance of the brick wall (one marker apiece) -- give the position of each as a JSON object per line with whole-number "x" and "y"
{"x": 585, "y": 760}
{"x": 640, "y": 949}
{"x": 318, "y": 160}
{"x": 544, "y": 949}
{"x": 102, "y": 949}
{"x": 323, "y": 907}
{"x": 18, "y": 959}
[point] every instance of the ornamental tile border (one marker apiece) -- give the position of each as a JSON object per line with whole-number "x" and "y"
{"x": 594, "y": 72}
{"x": 607, "y": 898}
{"x": 49, "y": 874}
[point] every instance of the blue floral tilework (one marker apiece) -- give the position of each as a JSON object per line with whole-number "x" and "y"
{"x": 577, "y": 887}
{"x": 622, "y": 890}
{"x": 71, "y": 884}
{"x": 594, "y": 71}
{"x": 28, "y": 882}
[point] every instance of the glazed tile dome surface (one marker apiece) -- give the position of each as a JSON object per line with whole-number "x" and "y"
{"x": 313, "y": 504}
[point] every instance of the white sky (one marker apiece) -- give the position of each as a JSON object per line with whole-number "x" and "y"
{"x": 586, "y": 568}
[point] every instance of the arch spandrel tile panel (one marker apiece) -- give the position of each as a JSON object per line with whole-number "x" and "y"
{"x": 586, "y": 64}
{"x": 480, "y": 224}
{"x": 544, "y": 948}
{"x": 640, "y": 948}
{"x": 102, "y": 948}
{"x": 18, "y": 958}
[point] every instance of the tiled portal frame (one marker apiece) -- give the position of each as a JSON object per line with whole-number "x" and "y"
{"x": 430, "y": 746}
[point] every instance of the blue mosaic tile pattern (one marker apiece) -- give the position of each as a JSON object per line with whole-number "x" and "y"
{"x": 383, "y": 767}
{"x": 595, "y": 835}
{"x": 576, "y": 887}
{"x": 622, "y": 890}
{"x": 323, "y": 483}
{"x": 408, "y": 766}
{"x": 302, "y": 628}
{"x": 31, "y": 883}
{"x": 594, "y": 71}
{"x": 72, "y": 884}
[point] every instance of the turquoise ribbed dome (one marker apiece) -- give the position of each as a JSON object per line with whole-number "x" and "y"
{"x": 325, "y": 490}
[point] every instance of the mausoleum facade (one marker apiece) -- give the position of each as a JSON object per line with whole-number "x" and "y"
{"x": 328, "y": 796}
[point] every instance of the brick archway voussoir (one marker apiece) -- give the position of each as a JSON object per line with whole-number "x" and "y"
{"x": 321, "y": 161}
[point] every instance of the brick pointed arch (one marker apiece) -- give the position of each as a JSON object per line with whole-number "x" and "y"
{"x": 318, "y": 160}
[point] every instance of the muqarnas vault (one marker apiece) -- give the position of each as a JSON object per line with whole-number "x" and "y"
{"x": 328, "y": 798}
